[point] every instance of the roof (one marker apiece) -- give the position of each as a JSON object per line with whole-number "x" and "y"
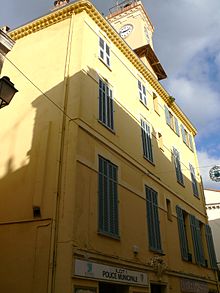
{"x": 147, "y": 51}
{"x": 85, "y": 5}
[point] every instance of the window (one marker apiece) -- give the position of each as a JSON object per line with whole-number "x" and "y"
{"x": 146, "y": 141}
{"x": 108, "y": 198}
{"x": 105, "y": 104}
{"x": 210, "y": 246}
{"x": 169, "y": 210}
{"x": 194, "y": 182}
{"x": 197, "y": 240}
{"x": 142, "y": 93}
{"x": 153, "y": 220}
{"x": 156, "y": 105}
{"x": 104, "y": 52}
{"x": 160, "y": 140}
{"x": 187, "y": 138}
{"x": 181, "y": 220}
{"x": 179, "y": 174}
{"x": 172, "y": 121}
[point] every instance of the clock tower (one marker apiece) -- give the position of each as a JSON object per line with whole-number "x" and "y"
{"x": 133, "y": 24}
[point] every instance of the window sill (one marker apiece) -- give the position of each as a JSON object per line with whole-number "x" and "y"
{"x": 105, "y": 234}
{"x": 152, "y": 163}
{"x": 188, "y": 147}
{"x": 180, "y": 183}
{"x": 155, "y": 251}
{"x": 173, "y": 130}
{"x": 103, "y": 124}
{"x": 105, "y": 63}
{"x": 145, "y": 105}
{"x": 156, "y": 111}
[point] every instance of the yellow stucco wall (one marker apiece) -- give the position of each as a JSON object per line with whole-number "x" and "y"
{"x": 50, "y": 160}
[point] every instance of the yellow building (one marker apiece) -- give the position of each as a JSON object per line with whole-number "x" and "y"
{"x": 99, "y": 183}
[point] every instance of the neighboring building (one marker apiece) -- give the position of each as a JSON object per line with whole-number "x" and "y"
{"x": 6, "y": 44}
{"x": 99, "y": 183}
{"x": 212, "y": 198}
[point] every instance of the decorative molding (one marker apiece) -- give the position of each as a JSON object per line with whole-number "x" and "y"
{"x": 159, "y": 265}
{"x": 212, "y": 206}
{"x": 85, "y": 5}
{"x": 6, "y": 43}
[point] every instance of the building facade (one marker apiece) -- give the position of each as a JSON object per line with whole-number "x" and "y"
{"x": 212, "y": 198}
{"x": 99, "y": 181}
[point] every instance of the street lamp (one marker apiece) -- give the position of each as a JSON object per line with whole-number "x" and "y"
{"x": 7, "y": 91}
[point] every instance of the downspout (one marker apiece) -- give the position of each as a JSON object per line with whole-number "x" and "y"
{"x": 55, "y": 220}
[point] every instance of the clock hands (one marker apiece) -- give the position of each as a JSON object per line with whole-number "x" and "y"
{"x": 124, "y": 30}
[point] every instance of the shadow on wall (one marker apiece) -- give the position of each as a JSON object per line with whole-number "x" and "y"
{"x": 35, "y": 185}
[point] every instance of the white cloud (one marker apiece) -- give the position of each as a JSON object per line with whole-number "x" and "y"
{"x": 206, "y": 162}
{"x": 200, "y": 102}
{"x": 182, "y": 29}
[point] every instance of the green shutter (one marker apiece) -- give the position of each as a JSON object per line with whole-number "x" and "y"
{"x": 194, "y": 181}
{"x": 177, "y": 130}
{"x": 146, "y": 141}
{"x": 108, "y": 198}
{"x": 182, "y": 233}
{"x": 179, "y": 174}
{"x": 210, "y": 246}
{"x": 191, "y": 142}
{"x": 183, "y": 133}
{"x": 167, "y": 115}
{"x": 197, "y": 240}
{"x": 106, "y": 109}
{"x": 153, "y": 220}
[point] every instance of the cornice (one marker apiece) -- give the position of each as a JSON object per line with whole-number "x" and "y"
{"x": 213, "y": 206}
{"x": 85, "y": 5}
{"x": 130, "y": 9}
{"x": 6, "y": 43}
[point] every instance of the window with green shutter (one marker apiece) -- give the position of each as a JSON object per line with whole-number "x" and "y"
{"x": 177, "y": 130}
{"x": 142, "y": 93}
{"x": 187, "y": 138}
{"x": 194, "y": 181}
{"x": 177, "y": 163}
{"x": 197, "y": 240}
{"x": 191, "y": 142}
{"x": 183, "y": 134}
{"x": 106, "y": 105}
{"x": 210, "y": 246}
{"x": 104, "y": 52}
{"x": 153, "y": 220}
{"x": 108, "y": 198}
{"x": 172, "y": 121}
{"x": 182, "y": 233}
{"x": 167, "y": 115}
{"x": 146, "y": 141}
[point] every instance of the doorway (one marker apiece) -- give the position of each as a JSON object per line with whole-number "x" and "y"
{"x": 155, "y": 288}
{"x": 112, "y": 288}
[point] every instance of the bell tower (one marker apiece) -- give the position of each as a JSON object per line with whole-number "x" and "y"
{"x": 133, "y": 24}
{"x": 131, "y": 21}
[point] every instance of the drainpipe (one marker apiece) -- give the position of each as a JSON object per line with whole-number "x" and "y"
{"x": 55, "y": 221}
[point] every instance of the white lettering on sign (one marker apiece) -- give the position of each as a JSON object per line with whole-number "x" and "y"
{"x": 103, "y": 272}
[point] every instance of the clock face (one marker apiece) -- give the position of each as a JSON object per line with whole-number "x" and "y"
{"x": 125, "y": 30}
{"x": 214, "y": 173}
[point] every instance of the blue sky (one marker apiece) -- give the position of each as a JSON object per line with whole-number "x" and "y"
{"x": 187, "y": 42}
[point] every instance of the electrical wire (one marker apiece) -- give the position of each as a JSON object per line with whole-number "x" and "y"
{"x": 45, "y": 95}
{"x": 59, "y": 108}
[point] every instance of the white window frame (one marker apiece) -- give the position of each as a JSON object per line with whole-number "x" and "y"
{"x": 104, "y": 51}
{"x": 142, "y": 92}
